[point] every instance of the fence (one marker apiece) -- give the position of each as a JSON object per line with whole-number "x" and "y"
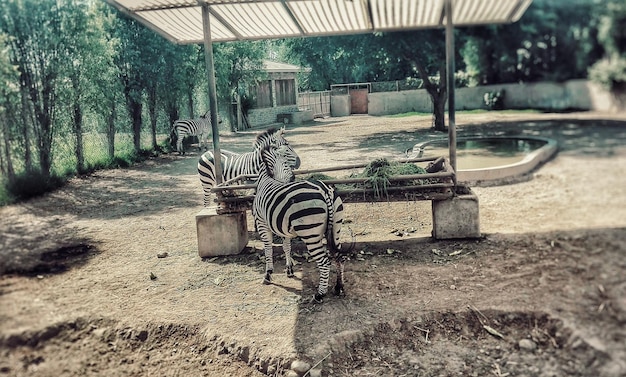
{"x": 318, "y": 102}
{"x": 95, "y": 151}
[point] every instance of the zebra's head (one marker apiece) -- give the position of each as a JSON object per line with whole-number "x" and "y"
{"x": 207, "y": 116}
{"x": 277, "y": 163}
{"x": 276, "y": 138}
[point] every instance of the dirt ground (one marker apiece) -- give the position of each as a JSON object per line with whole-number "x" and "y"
{"x": 87, "y": 290}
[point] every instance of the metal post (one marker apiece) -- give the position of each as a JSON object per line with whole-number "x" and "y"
{"x": 450, "y": 82}
{"x": 208, "y": 55}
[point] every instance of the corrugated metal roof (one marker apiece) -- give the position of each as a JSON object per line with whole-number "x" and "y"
{"x": 180, "y": 21}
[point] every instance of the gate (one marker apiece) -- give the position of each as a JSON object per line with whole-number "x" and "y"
{"x": 318, "y": 102}
{"x": 358, "y": 101}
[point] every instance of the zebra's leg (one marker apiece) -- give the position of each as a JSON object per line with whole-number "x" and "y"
{"x": 288, "y": 258}
{"x": 266, "y": 236}
{"x": 339, "y": 263}
{"x": 323, "y": 266}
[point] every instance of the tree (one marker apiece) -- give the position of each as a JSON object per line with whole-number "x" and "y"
{"x": 333, "y": 60}
{"x": 420, "y": 53}
{"x": 181, "y": 76}
{"x": 35, "y": 48}
{"x": 9, "y": 98}
{"x": 83, "y": 43}
{"x": 553, "y": 41}
{"x": 610, "y": 71}
{"x": 130, "y": 62}
{"x": 238, "y": 65}
{"x": 105, "y": 86}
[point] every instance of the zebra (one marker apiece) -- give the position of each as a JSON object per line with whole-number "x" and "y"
{"x": 199, "y": 127}
{"x": 310, "y": 210}
{"x": 234, "y": 164}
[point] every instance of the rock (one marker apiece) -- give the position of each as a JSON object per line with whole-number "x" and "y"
{"x": 292, "y": 373}
{"x": 527, "y": 344}
{"x": 315, "y": 373}
{"x": 300, "y": 367}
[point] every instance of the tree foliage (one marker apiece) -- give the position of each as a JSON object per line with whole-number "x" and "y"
{"x": 610, "y": 71}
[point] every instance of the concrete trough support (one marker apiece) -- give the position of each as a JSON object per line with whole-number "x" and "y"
{"x": 457, "y": 217}
{"x": 221, "y": 234}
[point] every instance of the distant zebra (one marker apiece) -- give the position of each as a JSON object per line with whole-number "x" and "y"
{"x": 234, "y": 164}
{"x": 307, "y": 209}
{"x": 199, "y": 127}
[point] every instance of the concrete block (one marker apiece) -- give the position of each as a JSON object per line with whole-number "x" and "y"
{"x": 457, "y": 217}
{"x": 221, "y": 234}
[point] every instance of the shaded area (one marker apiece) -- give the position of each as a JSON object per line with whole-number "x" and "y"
{"x": 585, "y": 137}
{"x": 45, "y": 258}
{"x": 563, "y": 291}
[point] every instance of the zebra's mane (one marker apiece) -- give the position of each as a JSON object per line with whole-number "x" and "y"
{"x": 266, "y": 159}
{"x": 268, "y": 137}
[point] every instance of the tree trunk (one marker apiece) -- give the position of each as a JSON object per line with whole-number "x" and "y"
{"x": 152, "y": 103}
{"x": 77, "y": 119}
{"x": 43, "y": 125}
{"x": 110, "y": 122}
{"x": 135, "y": 111}
{"x": 190, "y": 104}
{"x": 437, "y": 94}
{"x": 78, "y": 132}
{"x": 28, "y": 159}
{"x": 7, "y": 161}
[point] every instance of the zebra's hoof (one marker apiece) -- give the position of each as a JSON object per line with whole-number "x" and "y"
{"x": 268, "y": 278}
{"x": 339, "y": 291}
{"x": 290, "y": 273}
{"x": 318, "y": 298}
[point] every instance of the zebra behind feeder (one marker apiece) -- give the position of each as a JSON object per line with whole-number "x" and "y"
{"x": 199, "y": 127}
{"x": 307, "y": 209}
{"x": 234, "y": 164}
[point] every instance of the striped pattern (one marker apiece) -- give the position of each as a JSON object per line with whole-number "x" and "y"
{"x": 234, "y": 164}
{"x": 199, "y": 127}
{"x": 309, "y": 210}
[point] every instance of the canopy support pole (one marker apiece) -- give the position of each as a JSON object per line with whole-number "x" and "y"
{"x": 450, "y": 67}
{"x": 210, "y": 68}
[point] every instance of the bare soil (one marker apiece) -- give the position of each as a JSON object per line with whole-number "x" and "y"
{"x": 103, "y": 278}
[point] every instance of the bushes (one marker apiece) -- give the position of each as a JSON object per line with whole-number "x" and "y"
{"x": 29, "y": 184}
{"x": 611, "y": 74}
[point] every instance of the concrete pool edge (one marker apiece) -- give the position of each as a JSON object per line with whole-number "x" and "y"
{"x": 510, "y": 173}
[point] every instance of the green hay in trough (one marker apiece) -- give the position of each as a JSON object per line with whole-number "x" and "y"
{"x": 377, "y": 173}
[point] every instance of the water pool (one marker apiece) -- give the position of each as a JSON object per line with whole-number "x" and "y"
{"x": 492, "y": 158}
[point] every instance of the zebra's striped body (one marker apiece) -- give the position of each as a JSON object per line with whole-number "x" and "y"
{"x": 234, "y": 164}
{"x": 192, "y": 127}
{"x": 307, "y": 209}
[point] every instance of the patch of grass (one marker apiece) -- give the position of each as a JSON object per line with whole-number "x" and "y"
{"x": 409, "y": 114}
{"x": 475, "y": 111}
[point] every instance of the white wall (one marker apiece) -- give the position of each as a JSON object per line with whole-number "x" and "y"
{"x": 573, "y": 94}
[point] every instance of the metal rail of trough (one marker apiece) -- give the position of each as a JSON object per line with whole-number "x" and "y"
{"x": 229, "y": 200}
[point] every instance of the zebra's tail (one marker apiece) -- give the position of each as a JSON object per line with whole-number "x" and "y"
{"x": 333, "y": 229}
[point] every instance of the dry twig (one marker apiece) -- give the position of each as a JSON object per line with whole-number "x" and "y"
{"x": 308, "y": 372}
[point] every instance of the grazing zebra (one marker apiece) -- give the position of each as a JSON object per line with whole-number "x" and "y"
{"x": 234, "y": 164}
{"x": 307, "y": 209}
{"x": 199, "y": 127}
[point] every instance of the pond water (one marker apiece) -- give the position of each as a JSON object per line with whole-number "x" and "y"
{"x": 481, "y": 153}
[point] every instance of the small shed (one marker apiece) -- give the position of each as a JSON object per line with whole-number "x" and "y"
{"x": 276, "y": 97}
